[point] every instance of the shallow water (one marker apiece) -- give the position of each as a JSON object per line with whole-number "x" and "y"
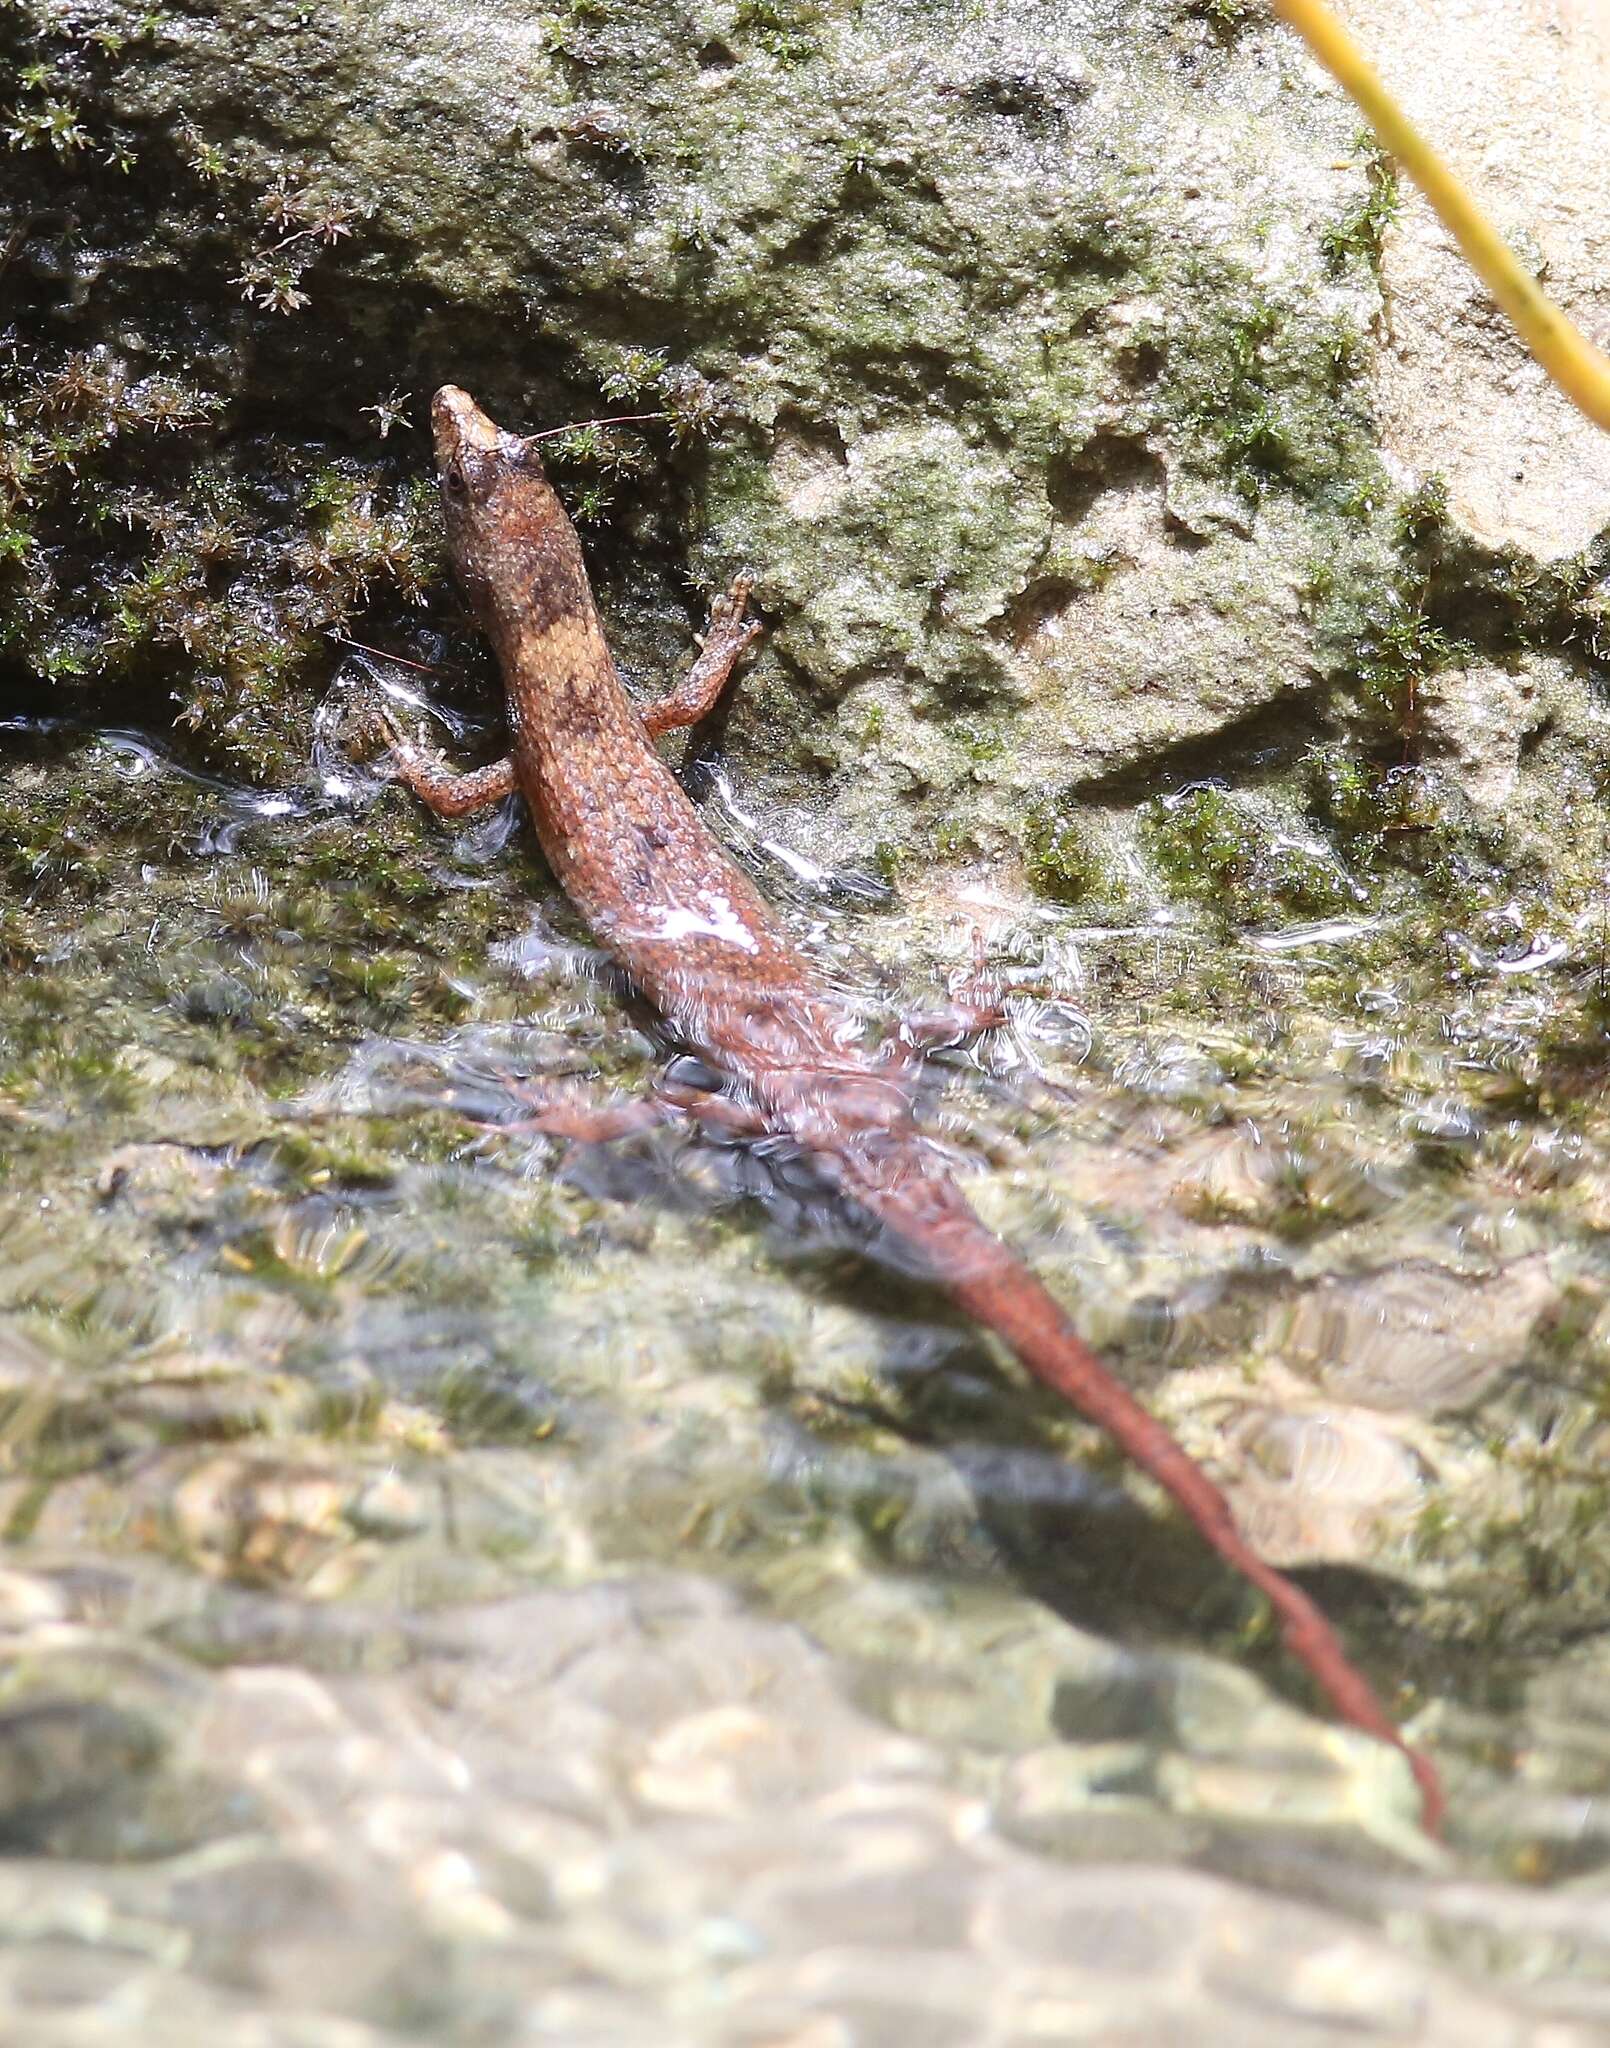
{"x": 464, "y": 1588}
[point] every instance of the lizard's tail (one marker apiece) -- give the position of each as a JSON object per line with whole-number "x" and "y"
{"x": 994, "y": 1286}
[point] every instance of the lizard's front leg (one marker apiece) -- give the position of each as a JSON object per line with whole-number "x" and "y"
{"x": 444, "y": 790}
{"x": 727, "y": 638}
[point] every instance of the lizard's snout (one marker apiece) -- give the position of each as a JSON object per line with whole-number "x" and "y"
{"x": 457, "y": 422}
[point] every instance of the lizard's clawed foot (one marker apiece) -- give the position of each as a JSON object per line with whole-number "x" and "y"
{"x": 568, "y": 1113}
{"x": 367, "y": 729}
{"x": 728, "y": 610}
{"x": 964, "y": 1016}
{"x": 728, "y": 628}
{"x": 375, "y": 729}
{"x": 727, "y": 638}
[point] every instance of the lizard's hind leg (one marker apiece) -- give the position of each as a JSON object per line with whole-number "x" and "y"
{"x": 557, "y": 1112}
{"x": 976, "y": 1003}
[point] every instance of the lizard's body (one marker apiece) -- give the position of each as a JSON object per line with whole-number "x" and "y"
{"x": 701, "y": 943}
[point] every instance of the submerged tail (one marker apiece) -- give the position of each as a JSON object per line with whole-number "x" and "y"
{"x": 994, "y": 1286}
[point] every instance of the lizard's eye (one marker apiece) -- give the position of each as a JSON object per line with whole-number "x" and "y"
{"x": 454, "y": 481}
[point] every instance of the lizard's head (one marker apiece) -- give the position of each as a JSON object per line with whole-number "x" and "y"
{"x": 507, "y": 532}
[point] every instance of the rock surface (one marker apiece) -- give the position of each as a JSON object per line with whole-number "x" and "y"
{"x": 1514, "y": 96}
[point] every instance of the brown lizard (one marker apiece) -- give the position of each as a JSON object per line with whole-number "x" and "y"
{"x": 700, "y": 942}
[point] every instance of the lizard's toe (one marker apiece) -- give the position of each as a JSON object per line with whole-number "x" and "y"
{"x": 366, "y": 730}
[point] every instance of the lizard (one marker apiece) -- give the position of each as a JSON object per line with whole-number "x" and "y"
{"x": 697, "y": 938}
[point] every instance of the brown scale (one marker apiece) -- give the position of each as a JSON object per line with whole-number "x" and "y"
{"x": 699, "y": 940}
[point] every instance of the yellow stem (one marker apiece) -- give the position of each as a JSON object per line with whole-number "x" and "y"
{"x": 1581, "y": 370}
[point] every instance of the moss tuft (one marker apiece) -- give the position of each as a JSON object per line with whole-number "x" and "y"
{"x": 1259, "y": 389}
{"x": 1226, "y": 851}
{"x": 1061, "y": 864}
{"x": 1358, "y": 236}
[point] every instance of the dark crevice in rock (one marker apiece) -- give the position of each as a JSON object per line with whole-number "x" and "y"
{"x": 1109, "y": 462}
{"x": 821, "y": 439}
{"x": 1267, "y": 740}
{"x": 1046, "y": 598}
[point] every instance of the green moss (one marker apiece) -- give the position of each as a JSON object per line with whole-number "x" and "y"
{"x": 1344, "y": 791}
{"x": 1358, "y": 235}
{"x": 366, "y": 535}
{"x": 503, "y": 1408}
{"x": 1421, "y": 518}
{"x": 1059, "y": 860}
{"x": 1379, "y": 810}
{"x": 1200, "y": 841}
{"x": 136, "y": 552}
{"x": 1402, "y": 650}
{"x": 980, "y": 744}
{"x": 1218, "y": 848}
{"x": 1226, "y": 17}
{"x": 782, "y": 28}
{"x": 1261, "y": 389}
{"x": 1449, "y": 601}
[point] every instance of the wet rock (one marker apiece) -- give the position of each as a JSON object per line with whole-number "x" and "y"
{"x": 59, "y": 1758}
{"x": 1481, "y": 718}
{"x": 1094, "y": 549}
{"x": 1325, "y": 1483}
{"x": 1412, "y": 1338}
{"x": 1458, "y": 395}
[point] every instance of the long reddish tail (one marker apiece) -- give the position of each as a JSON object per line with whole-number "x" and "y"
{"x": 987, "y": 1279}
